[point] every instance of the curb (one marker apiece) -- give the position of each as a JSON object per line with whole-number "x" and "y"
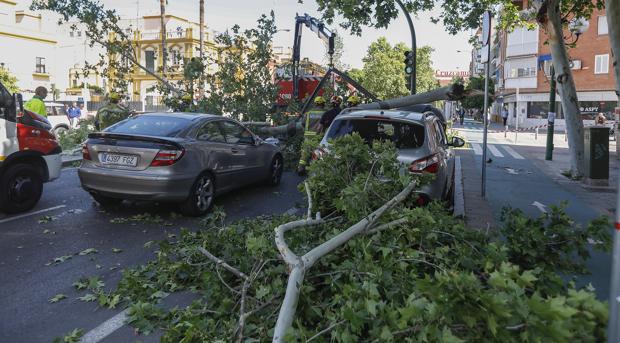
{"x": 459, "y": 197}
{"x": 69, "y": 160}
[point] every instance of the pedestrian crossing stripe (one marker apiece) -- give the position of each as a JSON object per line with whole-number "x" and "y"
{"x": 513, "y": 153}
{"x": 477, "y": 148}
{"x": 495, "y": 151}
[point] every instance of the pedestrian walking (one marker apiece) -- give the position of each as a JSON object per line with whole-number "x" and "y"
{"x": 36, "y": 104}
{"x": 74, "y": 113}
{"x": 505, "y": 116}
{"x": 600, "y": 119}
{"x": 462, "y": 115}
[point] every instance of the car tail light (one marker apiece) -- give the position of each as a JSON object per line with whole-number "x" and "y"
{"x": 317, "y": 154}
{"x": 428, "y": 164}
{"x": 167, "y": 157}
{"x": 85, "y": 152}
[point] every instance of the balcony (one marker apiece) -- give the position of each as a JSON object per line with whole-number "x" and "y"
{"x": 170, "y": 34}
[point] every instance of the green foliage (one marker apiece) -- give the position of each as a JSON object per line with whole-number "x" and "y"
{"x": 553, "y": 241}
{"x": 74, "y": 138}
{"x": 383, "y": 72}
{"x": 477, "y": 83}
{"x": 8, "y": 80}
{"x": 426, "y": 279}
{"x": 72, "y": 337}
{"x": 242, "y": 86}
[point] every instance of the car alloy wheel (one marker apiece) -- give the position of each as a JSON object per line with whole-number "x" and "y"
{"x": 204, "y": 193}
{"x": 276, "y": 171}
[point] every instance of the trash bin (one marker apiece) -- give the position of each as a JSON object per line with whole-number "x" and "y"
{"x": 597, "y": 155}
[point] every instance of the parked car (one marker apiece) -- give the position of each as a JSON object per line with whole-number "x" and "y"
{"x": 187, "y": 158}
{"x": 57, "y": 117}
{"x": 420, "y": 138}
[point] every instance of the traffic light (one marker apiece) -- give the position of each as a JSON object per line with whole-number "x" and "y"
{"x": 409, "y": 62}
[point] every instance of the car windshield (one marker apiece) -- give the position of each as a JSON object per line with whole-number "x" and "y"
{"x": 149, "y": 125}
{"x": 403, "y": 135}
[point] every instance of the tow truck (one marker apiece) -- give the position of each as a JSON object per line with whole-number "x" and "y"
{"x": 29, "y": 154}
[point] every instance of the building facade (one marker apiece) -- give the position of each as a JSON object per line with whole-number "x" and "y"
{"x": 523, "y": 68}
{"x": 182, "y": 42}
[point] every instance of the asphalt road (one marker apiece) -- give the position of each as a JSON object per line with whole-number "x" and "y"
{"x": 517, "y": 182}
{"x": 76, "y": 223}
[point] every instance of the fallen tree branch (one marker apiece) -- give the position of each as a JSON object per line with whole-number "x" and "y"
{"x": 298, "y": 266}
{"x": 220, "y": 262}
{"x": 387, "y": 225}
{"x": 309, "y": 216}
{"x": 326, "y": 330}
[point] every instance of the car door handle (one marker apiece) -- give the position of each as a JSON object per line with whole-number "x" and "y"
{"x": 234, "y": 150}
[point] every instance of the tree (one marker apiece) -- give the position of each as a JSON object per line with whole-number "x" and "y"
{"x": 164, "y": 53}
{"x": 612, "y": 9}
{"x": 8, "y": 80}
{"x": 384, "y": 69}
{"x": 242, "y": 86}
{"x": 477, "y": 101}
{"x": 458, "y": 15}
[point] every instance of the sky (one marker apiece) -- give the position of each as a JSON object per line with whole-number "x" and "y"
{"x": 222, "y": 14}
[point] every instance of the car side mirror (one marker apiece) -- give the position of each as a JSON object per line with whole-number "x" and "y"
{"x": 457, "y": 142}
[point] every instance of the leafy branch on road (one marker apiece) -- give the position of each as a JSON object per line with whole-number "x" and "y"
{"x": 420, "y": 275}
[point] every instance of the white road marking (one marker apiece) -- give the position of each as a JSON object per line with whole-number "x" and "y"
{"x": 512, "y": 152}
{"x": 494, "y": 151}
{"x": 477, "y": 148}
{"x": 31, "y": 214}
{"x": 539, "y": 206}
{"x": 105, "y": 329}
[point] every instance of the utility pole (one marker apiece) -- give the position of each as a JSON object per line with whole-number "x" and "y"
{"x": 550, "y": 115}
{"x": 414, "y": 47}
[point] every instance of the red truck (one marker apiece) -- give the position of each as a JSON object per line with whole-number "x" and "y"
{"x": 29, "y": 154}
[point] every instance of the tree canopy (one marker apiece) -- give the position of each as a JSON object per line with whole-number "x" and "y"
{"x": 8, "y": 80}
{"x": 383, "y": 72}
{"x": 477, "y": 82}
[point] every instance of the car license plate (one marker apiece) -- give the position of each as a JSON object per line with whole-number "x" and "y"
{"x": 118, "y": 160}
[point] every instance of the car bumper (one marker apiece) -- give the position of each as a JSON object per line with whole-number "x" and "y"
{"x": 54, "y": 166}
{"x": 131, "y": 185}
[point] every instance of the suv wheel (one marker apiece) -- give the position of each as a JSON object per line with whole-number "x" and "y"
{"x": 200, "y": 197}
{"x": 20, "y": 188}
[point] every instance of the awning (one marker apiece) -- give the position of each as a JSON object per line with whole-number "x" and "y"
{"x": 543, "y": 58}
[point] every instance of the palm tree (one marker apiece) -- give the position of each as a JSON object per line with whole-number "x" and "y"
{"x": 162, "y": 6}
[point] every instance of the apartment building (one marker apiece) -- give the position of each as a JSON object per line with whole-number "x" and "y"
{"x": 39, "y": 52}
{"x": 522, "y": 76}
{"x": 182, "y": 42}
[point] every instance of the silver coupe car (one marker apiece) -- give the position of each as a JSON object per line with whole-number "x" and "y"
{"x": 187, "y": 158}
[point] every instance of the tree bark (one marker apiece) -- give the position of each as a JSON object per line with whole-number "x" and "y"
{"x": 552, "y": 22}
{"x": 612, "y": 8}
{"x": 162, "y": 7}
{"x": 202, "y": 45}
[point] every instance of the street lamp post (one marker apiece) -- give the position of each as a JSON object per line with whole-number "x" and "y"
{"x": 412, "y": 76}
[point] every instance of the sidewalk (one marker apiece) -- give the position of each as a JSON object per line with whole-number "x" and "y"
{"x": 478, "y": 213}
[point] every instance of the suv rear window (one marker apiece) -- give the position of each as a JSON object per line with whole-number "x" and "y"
{"x": 149, "y": 125}
{"x": 403, "y": 135}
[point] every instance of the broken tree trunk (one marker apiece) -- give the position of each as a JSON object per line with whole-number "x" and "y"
{"x": 452, "y": 92}
{"x": 298, "y": 265}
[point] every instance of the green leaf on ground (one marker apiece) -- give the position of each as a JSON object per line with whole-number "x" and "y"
{"x": 117, "y": 250}
{"x": 61, "y": 259}
{"x": 56, "y": 298}
{"x": 72, "y": 337}
{"x": 45, "y": 219}
{"x": 88, "y": 251}
{"x": 148, "y": 244}
{"x": 80, "y": 284}
{"x": 88, "y": 297}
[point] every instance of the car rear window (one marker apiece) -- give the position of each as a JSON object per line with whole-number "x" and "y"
{"x": 149, "y": 125}
{"x": 403, "y": 135}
